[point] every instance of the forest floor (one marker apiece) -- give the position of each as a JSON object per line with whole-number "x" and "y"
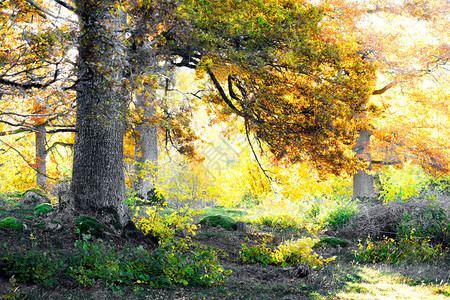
{"x": 343, "y": 278}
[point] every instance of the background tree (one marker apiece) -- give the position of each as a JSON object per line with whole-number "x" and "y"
{"x": 408, "y": 42}
{"x": 34, "y": 97}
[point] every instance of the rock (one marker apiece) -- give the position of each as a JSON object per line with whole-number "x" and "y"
{"x": 224, "y": 221}
{"x": 43, "y": 209}
{"x": 49, "y": 224}
{"x": 89, "y": 225}
{"x": 33, "y": 197}
{"x": 12, "y": 223}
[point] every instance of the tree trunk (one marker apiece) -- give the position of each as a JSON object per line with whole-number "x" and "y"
{"x": 362, "y": 181}
{"x": 41, "y": 154}
{"x": 146, "y": 149}
{"x": 98, "y": 181}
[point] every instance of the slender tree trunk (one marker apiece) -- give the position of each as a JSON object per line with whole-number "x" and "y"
{"x": 98, "y": 181}
{"x": 362, "y": 181}
{"x": 41, "y": 154}
{"x": 146, "y": 149}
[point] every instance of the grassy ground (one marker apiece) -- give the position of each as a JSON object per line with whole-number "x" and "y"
{"x": 343, "y": 278}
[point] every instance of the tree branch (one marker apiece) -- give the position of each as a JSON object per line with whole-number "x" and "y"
{"x": 66, "y": 5}
{"x": 30, "y": 85}
{"x": 385, "y": 88}
{"x": 58, "y": 144}
{"x": 223, "y": 95}
{"x": 47, "y": 12}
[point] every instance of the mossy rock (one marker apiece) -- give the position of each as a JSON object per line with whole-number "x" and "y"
{"x": 12, "y": 223}
{"x": 48, "y": 224}
{"x": 224, "y": 221}
{"x": 43, "y": 209}
{"x": 33, "y": 197}
{"x": 89, "y": 225}
{"x": 331, "y": 241}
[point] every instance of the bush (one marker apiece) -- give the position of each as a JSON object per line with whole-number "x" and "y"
{"x": 164, "y": 222}
{"x": 343, "y": 213}
{"x": 288, "y": 253}
{"x": 408, "y": 249}
{"x": 429, "y": 222}
{"x": 31, "y": 267}
{"x": 281, "y": 221}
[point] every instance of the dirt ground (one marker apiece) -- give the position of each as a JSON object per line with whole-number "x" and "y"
{"x": 247, "y": 281}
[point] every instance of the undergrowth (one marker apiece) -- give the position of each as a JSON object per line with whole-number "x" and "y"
{"x": 94, "y": 261}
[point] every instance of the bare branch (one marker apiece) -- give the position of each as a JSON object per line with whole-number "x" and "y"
{"x": 385, "y": 88}
{"x": 47, "y": 12}
{"x": 66, "y": 5}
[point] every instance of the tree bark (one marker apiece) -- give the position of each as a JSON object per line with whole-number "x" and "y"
{"x": 362, "y": 181}
{"x": 98, "y": 181}
{"x": 41, "y": 154}
{"x": 146, "y": 149}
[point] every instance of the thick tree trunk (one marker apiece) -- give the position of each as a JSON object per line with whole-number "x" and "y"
{"x": 98, "y": 181}
{"x": 146, "y": 150}
{"x": 362, "y": 181}
{"x": 41, "y": 154}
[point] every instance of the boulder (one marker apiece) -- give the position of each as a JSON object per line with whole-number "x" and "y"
{"x": 33, "y": 197}
{"x": 219, "y": 220}
{"x": 89, "y": 225}
{"x": 43, "y": 209}
{"x": 50, "y": 225}
{"x": 12, "y": 223}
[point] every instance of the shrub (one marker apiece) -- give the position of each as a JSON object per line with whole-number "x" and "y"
{"x": 286, "y": 254}
{"x": 343, "y": 213}
{"x": 31, "y": 267}
{"x": 281, "y": 220}
{"x": 164, "y": 222}
{"x": 408, "y": 249}
{"x": 429, "y": 222}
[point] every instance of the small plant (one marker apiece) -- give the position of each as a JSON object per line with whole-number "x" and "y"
{"x": 259, "y": 253}
{"x": 342, "y": 214}
{"x": 281, "y": 221}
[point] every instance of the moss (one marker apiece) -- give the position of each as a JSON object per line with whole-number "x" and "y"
{"x": 41, "y": 225}
{"x": 39, "y": 192}
{"x": 12, "y": 223}
{"x": 43, "y": 209}
{"x": 89, "y": 225}
{"x": 224, "y": 221}
{"x": 331, "y": 241}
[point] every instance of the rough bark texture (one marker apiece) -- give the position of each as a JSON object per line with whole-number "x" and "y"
{"x": 41, "y": 154}
{"x": 362, "y": 181}
{"x": 146, "y": 149}
{"x": 98, "y": 181}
